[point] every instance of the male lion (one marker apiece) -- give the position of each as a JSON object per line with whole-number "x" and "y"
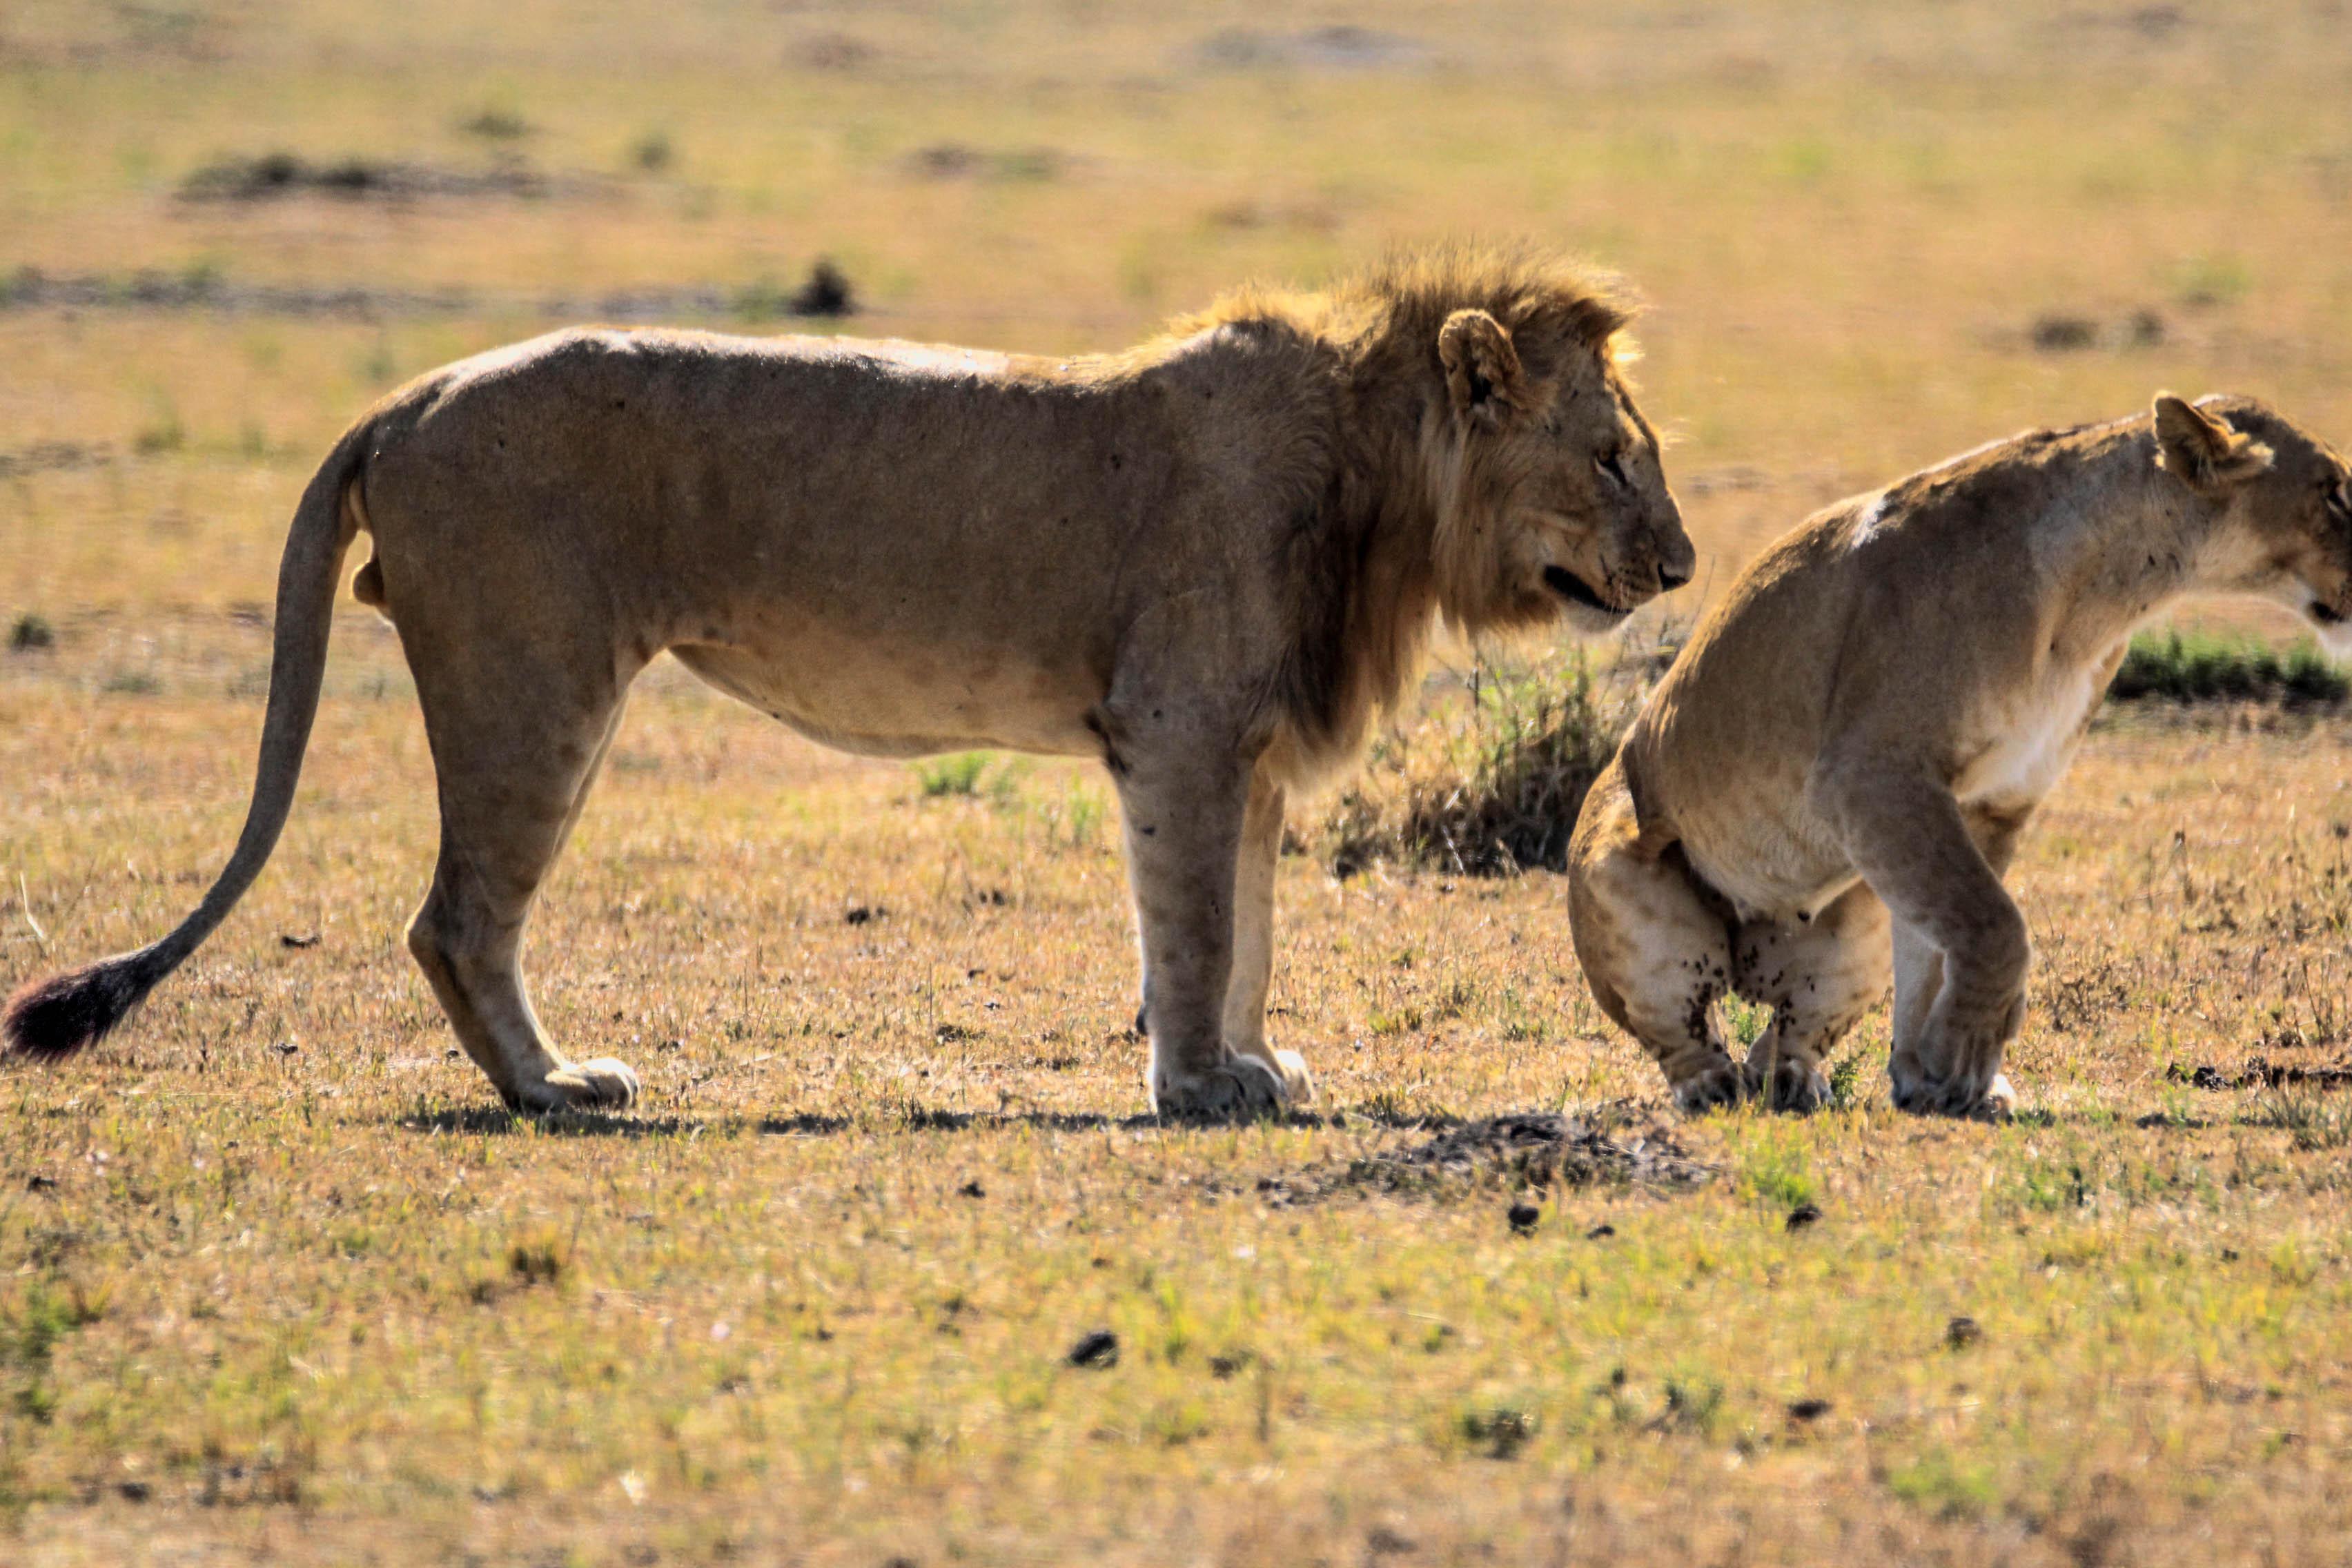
{"x": 1210, "y": 561}
{"x": 1866, "y": 720}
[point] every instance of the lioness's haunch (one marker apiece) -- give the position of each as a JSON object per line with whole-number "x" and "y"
{"x": 1211, "y": 562}
{"x": 1855, "y": 735}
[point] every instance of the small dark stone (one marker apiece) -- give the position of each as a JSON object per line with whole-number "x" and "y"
{"x": 1803, "y": 1215}
{"x": 859, "y": 914}
{"x": 286, "y": 1047}
{"x": 1808, "y": 1409}
{"x": 1099, "y": 1348}
{"x": 1601, "y": 1232}
{"x": 973, "y": 1189}
{"x": 134, "y": 1491}
{"x": 1524, "y": 1217}
{"x": 40, "y": 1183}
{"x": 826, "y": 292}
{"x": 2059, "y": 333}
{"x": 1962, "y": 1332}
{"x": 288, "y": 939}
{"x": 1386, "y": 1543}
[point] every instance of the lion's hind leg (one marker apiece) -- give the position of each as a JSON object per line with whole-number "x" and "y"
{"x": 1818, "y": 977}
{"x": 1655, "y": 949}
{"x": 514, "y": 766}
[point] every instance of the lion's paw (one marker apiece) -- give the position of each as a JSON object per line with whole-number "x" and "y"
{"x": 1719, "y": 1084}
{"x": 603, "y": 1084}
{"x": 1298, "y": 1083}
{"x": 1239, "y": 1088}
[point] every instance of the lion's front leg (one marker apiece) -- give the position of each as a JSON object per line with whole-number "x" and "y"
{"x": 1184, "y": 800}
{"x": 1245, "y": 992}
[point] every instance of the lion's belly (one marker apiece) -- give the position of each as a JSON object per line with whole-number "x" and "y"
{"x": 895, "y": 703}
{"x": 1769, "y": 870}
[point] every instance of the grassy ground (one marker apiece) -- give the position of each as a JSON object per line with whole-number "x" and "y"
{"x": 279, "y": 1281}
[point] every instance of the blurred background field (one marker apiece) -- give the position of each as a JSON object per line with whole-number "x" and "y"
{"x": 275, "y": 1279}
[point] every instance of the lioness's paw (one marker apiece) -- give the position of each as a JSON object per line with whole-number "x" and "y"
{"x": 2000, "y": 1101}
{"x": 1239, "y": 1088}
{"x": 603, "y": 1084}
{"x": 1710, "y": 1088}
{"x": 1796, "y": 1085}
{"x": 1996, "y": 1102}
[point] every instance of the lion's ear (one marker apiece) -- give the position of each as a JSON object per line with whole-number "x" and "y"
{"x": 1482, "y": 368}
{"x": 2209, "y": 456}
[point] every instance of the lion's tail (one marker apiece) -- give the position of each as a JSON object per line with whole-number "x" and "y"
{"x": 56, "y": 1016}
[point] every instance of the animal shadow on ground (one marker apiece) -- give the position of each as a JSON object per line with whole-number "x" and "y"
{"x": 492, "y": 1119}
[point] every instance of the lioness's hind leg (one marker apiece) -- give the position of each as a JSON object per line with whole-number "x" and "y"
{"x": 513, "y": 776}
{"x": 1657, "y": 951}
{"x": 1818, "y": 977}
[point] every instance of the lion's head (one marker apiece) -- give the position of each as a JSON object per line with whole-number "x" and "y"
{"x": 1551, "y": 496}
{"x": 1559, "y": 499}
{"x": 2292, "y": 498}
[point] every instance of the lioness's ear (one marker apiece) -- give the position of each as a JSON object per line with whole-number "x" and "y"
{"x": 1482, "y": 368}
{"x": 2208, "y": 454}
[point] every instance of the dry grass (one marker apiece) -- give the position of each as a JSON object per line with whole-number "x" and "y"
{"x": 276, "y": 1280}
{"x": 1486, "y": 777}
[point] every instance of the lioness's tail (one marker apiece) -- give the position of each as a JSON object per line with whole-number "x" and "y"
{"x": 58, "y": 1016}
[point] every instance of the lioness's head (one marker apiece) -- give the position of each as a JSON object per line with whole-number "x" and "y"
{"x": 1559, "y": 504}
{"x": 2288, "y": 495}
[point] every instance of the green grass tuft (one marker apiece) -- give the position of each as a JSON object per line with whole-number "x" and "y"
{"x": 2203, "y": 667}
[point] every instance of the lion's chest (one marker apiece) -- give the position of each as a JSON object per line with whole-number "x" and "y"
{"x": 2027, "y": 743}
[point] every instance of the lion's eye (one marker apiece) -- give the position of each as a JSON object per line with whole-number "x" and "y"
{"x": 2339, "y": 501}
{"x": 1612, "y": 463}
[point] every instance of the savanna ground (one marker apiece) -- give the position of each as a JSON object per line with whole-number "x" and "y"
{"x": 280, "y": 1280}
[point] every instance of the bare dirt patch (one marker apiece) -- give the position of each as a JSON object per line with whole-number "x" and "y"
{"x": 1616, "y": 1146}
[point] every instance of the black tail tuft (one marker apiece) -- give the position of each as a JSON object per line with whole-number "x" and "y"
{"x": 48, "y": 1019}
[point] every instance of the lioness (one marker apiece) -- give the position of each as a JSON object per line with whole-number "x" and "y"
{"x": 1865, "y": 721}
{"x": 1210, "y": 561}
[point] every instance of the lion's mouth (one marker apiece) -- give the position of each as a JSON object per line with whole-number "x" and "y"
{"x": 1576, "y": 590}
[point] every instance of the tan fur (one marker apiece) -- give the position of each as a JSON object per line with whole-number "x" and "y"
{"x": 1831, "y": 778}
{"x": 1211, "y": 561}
